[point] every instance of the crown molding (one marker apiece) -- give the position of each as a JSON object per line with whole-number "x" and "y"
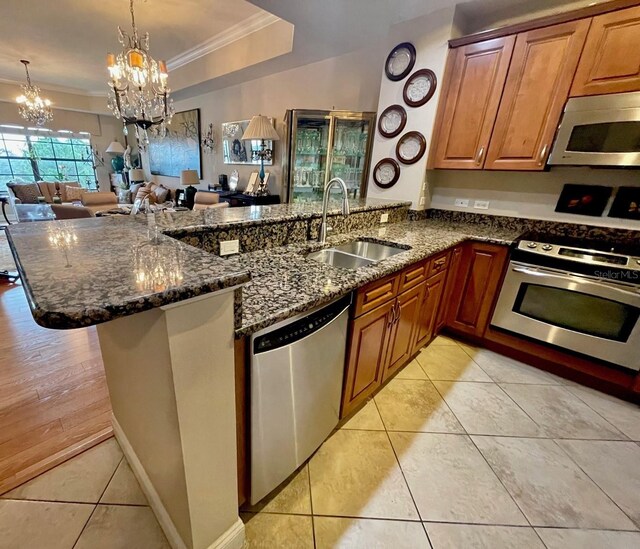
{"x": 235, "y": 32}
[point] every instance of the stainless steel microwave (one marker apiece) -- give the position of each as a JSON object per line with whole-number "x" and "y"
{"x": 599, "y": 130}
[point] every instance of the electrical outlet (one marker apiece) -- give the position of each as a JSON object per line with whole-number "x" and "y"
{"x": 228, "y": 247}
{"x": 462, "y": 202}
{"x": 382, "y": 231}
{"x": 384, "y": 218}
{"x": 481, "y": 204}
{"x": 422, "y": 200}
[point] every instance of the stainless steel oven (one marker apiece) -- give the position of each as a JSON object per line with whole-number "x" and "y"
{"x": 600, "y": 130}
{"x": 583, "y": 300}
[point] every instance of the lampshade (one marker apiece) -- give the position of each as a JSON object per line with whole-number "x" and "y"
{"x": 260, "y": 127}
{"x": 115, "y": 148}
{"x": 189, "y": 177}
{"x": 136, "y": 174}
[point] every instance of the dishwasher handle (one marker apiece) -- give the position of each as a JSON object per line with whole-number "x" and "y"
{"x": 301, "y": 328}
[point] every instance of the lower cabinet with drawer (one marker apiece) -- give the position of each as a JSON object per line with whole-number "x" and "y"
{"x": 394, "y": 317}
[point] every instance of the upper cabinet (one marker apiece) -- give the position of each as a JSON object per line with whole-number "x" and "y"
{"x": 610, "y": 62}
{"x": 542, "y": 68}
{"x": 504, "y": 91}
{"x": 475, "y": 75}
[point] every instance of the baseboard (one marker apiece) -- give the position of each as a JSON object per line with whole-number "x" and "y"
{"x": 233, "y": 538}
{"x": 167, "y": 525}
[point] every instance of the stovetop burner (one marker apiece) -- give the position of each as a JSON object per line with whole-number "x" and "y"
{"x": 623, "y": 247}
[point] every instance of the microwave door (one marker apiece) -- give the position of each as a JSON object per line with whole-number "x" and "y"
{"x": 598, "y": 138}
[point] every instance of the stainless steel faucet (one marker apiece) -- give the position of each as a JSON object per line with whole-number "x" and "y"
{"x": 322, "y": 237}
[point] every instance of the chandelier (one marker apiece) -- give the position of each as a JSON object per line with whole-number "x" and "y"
{"x": 32, "y": 107}
{"x": 139, "y": 94}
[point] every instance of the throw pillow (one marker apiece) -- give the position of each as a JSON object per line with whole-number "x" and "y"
{"x": 27, "y": 193}
{"x": 162, "y": 193}
{"x": 73, "y": 194}
{"x": 146, "y": 192}
{"x": 64, "y": 185}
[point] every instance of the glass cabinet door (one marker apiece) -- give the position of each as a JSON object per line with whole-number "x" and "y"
{"x": 350, "y": 152}
{"x": 309, "y": 142}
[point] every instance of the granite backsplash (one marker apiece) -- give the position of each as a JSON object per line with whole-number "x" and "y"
{"x": 575, "y": 230}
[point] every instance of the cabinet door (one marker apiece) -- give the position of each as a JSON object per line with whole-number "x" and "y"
{"x": 454, "y": 265}
{"x": 433, "y": 292}
{"x": 542, "y": 68}
{"x": 476, "y": 287}
{"x": 475, "y": 76}
{"x": 367, "y": 350}
{"x": 403, "y": 330}
{"x": 610, "y": 62}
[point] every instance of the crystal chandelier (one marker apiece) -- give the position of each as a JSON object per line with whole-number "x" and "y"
{"x": 139, "y": 94}
{"x": 32, "y": 107}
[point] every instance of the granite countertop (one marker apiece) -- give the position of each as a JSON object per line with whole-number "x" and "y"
{"x": 285, "y": 283}
{"x": 199, "y": 220}
{"x": 86, "y": 271}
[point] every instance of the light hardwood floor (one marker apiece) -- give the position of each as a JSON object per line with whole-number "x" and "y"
{"x": 53, "y": 395}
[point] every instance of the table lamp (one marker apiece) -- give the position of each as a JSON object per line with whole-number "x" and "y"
{"x": 190, "y": 178}
{"x": 117, "y": 150}
{"x": 136, "y": 175}
{"x": 261, "y": 128}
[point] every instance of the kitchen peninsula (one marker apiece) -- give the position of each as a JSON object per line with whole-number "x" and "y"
{"x": 170, "y": 310}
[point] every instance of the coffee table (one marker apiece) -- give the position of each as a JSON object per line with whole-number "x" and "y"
{"x": 34, "y": 212}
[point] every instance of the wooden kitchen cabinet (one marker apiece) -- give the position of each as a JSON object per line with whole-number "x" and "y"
{"x": 610, "y": 62}
{"x": 366, "y": 355}
{"x": 454, "y": 266}
{"x": 429, "y": 308}
{"x": 537, "y": 86}
{"x": 473, "y": 82}
{"x": 476, "y": 287}
{"x": 403, "y": 329}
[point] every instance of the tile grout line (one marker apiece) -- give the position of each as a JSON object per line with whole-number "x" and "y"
{"x": 313, "y": 522}
{"x": 593, "y": 481}
{"x": 598, "y": 413}
{"x": 98, "y": 502}
{"x": 400, "y": 467}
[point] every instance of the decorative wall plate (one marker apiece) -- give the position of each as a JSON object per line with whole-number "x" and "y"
{"x": 392, "y": 121}
{"x": 411, "y": 147}
{"x": 386, "y": 173}
{"x": 400, "y": 61}
{"x": 419, "y": 88}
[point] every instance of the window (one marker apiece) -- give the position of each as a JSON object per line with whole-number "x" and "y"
{"x": 25, "y": 157}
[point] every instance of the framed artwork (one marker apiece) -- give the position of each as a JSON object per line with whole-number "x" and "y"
{"x": 392, "y": 121}
{"x": 386, "y": 173}
{"x": 237, "y": 151}
{"x": 411, "y": 147}
{"x": 419, "y": 88}
{"x": 583, "y": 199}
{"x": 179, "y": 149}
{"x": 626, "y": 204}
{"x": 400, "y": 61}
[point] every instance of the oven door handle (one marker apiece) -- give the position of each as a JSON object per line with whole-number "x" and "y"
{"x": 551, "y": 274}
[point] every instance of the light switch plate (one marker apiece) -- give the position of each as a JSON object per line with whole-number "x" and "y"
{"x": 384, "y": 218}
{"x": 481, "y": 204}
{"x": 228, "y": 247}
{"x": 382, "y": 231}
{"x": 462, "y": 202}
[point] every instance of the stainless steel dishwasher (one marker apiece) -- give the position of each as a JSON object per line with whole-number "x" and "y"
{"x": 295, "y": 387}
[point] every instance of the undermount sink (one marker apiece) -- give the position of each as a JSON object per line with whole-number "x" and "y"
{"x": 370, "y": 250}
{"x": 355, "y": 254}
{"x": 336, "y": 258}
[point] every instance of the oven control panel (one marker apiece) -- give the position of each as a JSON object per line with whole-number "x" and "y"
{"x": 581, "y": 255}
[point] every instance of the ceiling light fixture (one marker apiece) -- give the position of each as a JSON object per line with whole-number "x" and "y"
{"x": 139, "y": 93}
{"x": 32, "y": 107}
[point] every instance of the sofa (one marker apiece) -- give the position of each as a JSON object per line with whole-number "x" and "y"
{"x": 43, "y": 192}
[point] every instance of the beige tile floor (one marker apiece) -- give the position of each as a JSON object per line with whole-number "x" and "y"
{"x": 463, "y": 449}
